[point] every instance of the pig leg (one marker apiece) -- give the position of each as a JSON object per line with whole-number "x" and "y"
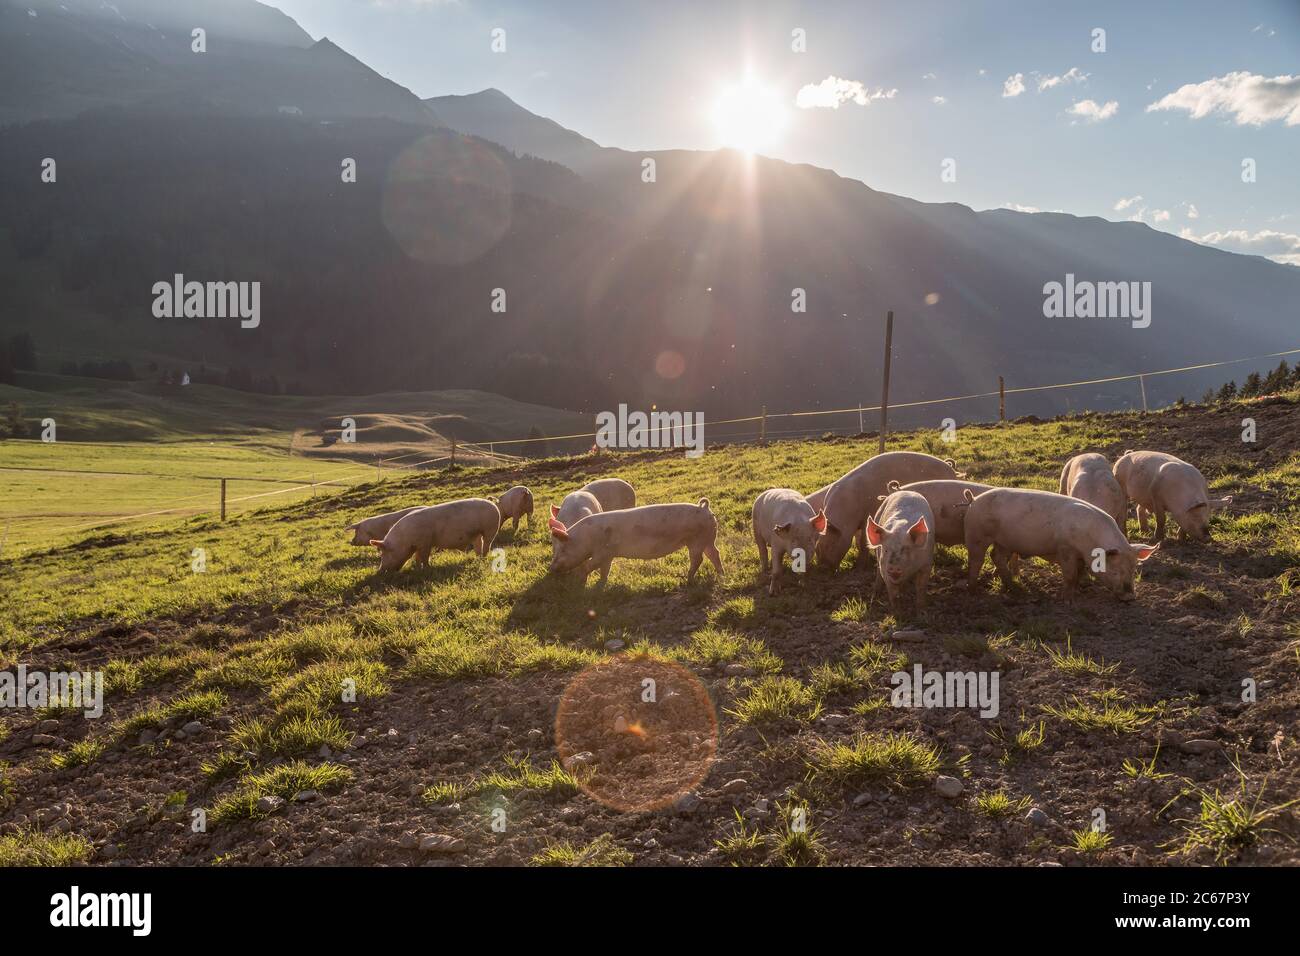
{"x": 1142, "y": 516}
{"x": 891, "y": 590}
{"x": 1071, "y": 565}
{"x": 975, "y": 551}
{"x": 696, "y": 558}
{"x": 1160, "y": 523}
{"x": 604, "y": 571}
{"x": 715, "y": 559}
{"x": 422, "y": 556}
{"x": 1002, "y": 562}
{"x": 860, "y": 536}
{"x": 778, "y": 565}
{"x": 762, "y": 549}
{"x": 922, "y": 582}
{"x": 514, "y": 524}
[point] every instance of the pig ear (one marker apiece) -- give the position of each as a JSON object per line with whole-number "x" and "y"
{"x": 819, "y": 522}
{"x": 1144, "y": 551}
{"x": 918, "y": 530}
{"x": 558, "y": 529}
{"x": 555, "y": 511}
{"x": 376, "y": 542}
{"x": 874, "y": 533}
{"x": 782, "y": 529}
{"x": 1217, "y": 503}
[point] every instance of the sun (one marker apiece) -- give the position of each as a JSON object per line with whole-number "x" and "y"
{"x": 749, "y": 116}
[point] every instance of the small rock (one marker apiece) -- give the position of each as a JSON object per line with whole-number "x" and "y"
{"x": 615, "y": 645}
{"x": 48, "y": 726}
{"x": 44, "y": 740}
{"x": 1037, "y": 817}
{"x": 108, "y": 851}
{"x": 269, "y": 804}
{"x": 181, "y": 735}
{"x": 325, "y": 753}
{"x": 688, "y": 802}
{"x": 620, "y": 724}
{"x": 834, "y": 719}
{"x": 735, "y": 786}
{"x": 1200, "y": 746}
{"x": 738, "y": 670}
{"x": 408, "y": 841}
{"x": 535, "y": 735}
{"x": 578, "y": 761}
{"x": 306, "y": 796}
{"x": 908, "y": 634}
{"x": 59, "y": 826}
{"x": 441, "y": 843}
{"x": 194, "y": 727}
{"x": 861, "y": 799}
{"x": 949, "y": 788}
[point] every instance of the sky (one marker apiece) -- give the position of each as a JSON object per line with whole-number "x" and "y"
{"x": 989, "y": 103}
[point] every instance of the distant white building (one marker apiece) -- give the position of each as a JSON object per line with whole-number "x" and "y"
{"x": 185, "y": 378}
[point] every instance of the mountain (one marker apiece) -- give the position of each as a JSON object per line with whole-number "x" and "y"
{"x": 677, "y": 292}
{"x": 61, "y": 57}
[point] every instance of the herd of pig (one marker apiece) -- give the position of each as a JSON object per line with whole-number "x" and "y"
{"x": 898, "y": 505}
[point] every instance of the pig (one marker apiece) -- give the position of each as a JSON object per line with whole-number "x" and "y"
{"x": 1088, "y": 477}
{"x": 614, "y": 494}
{"x": 366, "y": 531}
{"x": 575, "y": 506}
{"x": 784, "y": 521}
{"x": 948, "y": 503}
{"x": 1160, "y": 483}
{"x": 901, "y": 534}
{"x": 853, "y": 498}
{"x": 650, "y": 531}
{"x": 818, "y": 498}
{"x": 515, "y": 504}
{"x": 453, "y": 526}
{"x": 1048, "y": 525}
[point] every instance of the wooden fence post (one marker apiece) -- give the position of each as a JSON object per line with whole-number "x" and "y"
{"x": 1142, "y": 381}
{"x": 861, "y": 429}
{"x": 762, "y": 427}
{"x": 1002, "y": 400}
{"x": 453, "y": 451}
{"x": 223, "y": 499}
{"x": 884, "y": 395}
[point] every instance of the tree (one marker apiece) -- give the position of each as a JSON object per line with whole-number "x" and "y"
{"x": 1228, "y": 392}
{"x": 13, "y": 424}
{"x": 1277, "y": 379}
{"x": 6, "y": 366}
{"x": 1253, "y": 386}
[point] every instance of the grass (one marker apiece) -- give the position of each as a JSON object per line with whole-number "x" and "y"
{"x": 1225, "y": 823}
{"x": 999, "y": 804}
{"x": 1024, "y": 741}
{"x": 1110, "y": 717}
{"x": 774, "y": 700}
{"x": 27, "y": 847}
{"x": 283, "y": 781}
{"x": 897, "y": 760}
{"x": 1143, "y": 769}
{"x": 1088, "y": 840}
{"x": 1078, "y": 665}
{"x": 743, "y": 846}
{"x": 602, "y": 851}
{"x": 796, "y": 841}
{"x": 519, "y": 775}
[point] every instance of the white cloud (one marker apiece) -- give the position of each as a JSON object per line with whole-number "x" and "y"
{"x": 1072, "y": 75}
{"x": 927, "y": 76}
{"x": 1160, "y": 215}
{"x": 982, "y": 72}
{"x": 1252, "y": 100}
{"x": 938, "y": 100}
{"x": 832, "y": 91}
{"x": 1093, "y": 112}
{"x": 1014, "y": 85}
{"x": 1192, "y": 211}
{"x": 1278, "y": 246}
{"x": 1125, "y": 203}
{"x": 1016, "y": 207}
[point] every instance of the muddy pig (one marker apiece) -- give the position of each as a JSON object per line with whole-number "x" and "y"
{"x": 452, "y": 526}
{"x": 785, "y": 522}
{"x": 1160, "y": 483}
{"x": 1076, "y": 535}
{"x": 1088, "y": 478}
{"x": 647, "y": 532}
{"x": 901, "y": 534}
{"x": 854, "y": 497}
